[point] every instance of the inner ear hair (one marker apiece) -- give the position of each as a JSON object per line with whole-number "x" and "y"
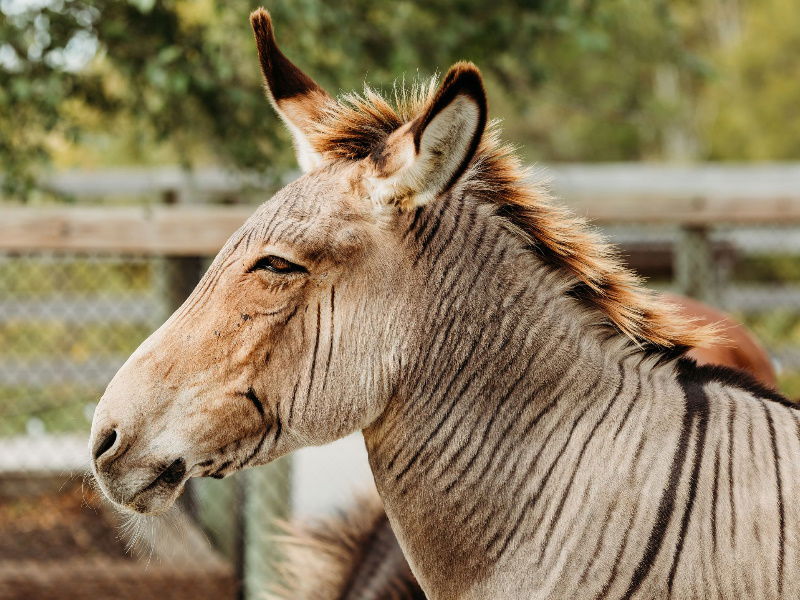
{"x": 423, "y": 160}
{"x": 462, "y": 79}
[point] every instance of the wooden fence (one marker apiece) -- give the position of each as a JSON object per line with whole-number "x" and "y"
{"x": 181, "y": 226}
{"x": 695, "y": 199}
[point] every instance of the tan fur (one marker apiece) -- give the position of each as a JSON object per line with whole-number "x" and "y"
{"x": 350, "y": 128}
{"x": 351, "y": 555}
{"x": 329, "y": 545}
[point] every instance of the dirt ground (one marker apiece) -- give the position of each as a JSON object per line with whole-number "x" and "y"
{"x": 68, "y": 524}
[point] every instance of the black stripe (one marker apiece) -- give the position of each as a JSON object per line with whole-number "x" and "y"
{"x": 467, "y": 359}
{"x": 248, "y": 237}
{"x": 330, "y": 345}
{"x": 612, "y": 577}
{"x": 289, "y": 317}
{"x": 313, "y": 358}
{"x": 413, "y": 225}
{"x": 715, "y": 498}
{"x": 432, "y": 220}
{"x": 629, "y": 410}
{"x": 731, "y": 439}
{"x": 495, "y": 455}
{"x": 498, "y": 457}
{"x": 599, "y": 545}
{"x": 779, "y": 494}
{"x": 697, "y": 405}
{"x": 474, "y": 247}
{"x": 796, "y": 423}
{"x": 291, "y": 403}
{"x": 666, "y": 507}
{"x": 634, "y": 465}
{"x": 433, "y": 367}
{"x": 218, "y": 474}
{"x": 557, "y": 513}
{"x": 416, "y": 407}
{"x": 531, "y": 503}
{"x": 278, "y": 425}
{"x": 447, "y": 240}
{"x": 502, "y": 457}
{"x": 456, "y": 428}
{"x": 429, "y": 236}
{"x": 703, "y": 374}
{"x": 489, "y": 358}
{"x": 483, "y": 435}
{"x": 250, "y": 394}
{"x": 452, "y": 279}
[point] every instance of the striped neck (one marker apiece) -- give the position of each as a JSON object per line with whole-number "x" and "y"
{"x": 509, "y": 374}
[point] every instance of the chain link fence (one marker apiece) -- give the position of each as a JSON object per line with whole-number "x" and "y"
{"x": 67, "y": 323}
{"x": 68, "y": 320}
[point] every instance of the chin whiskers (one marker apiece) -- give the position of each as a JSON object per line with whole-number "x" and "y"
{"x": 163, "y": 537}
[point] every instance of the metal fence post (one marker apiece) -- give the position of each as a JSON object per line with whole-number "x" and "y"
{"x": 693, "y": 264}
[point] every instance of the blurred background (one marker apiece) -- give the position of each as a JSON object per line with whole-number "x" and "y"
{"x": 135, "y": 137}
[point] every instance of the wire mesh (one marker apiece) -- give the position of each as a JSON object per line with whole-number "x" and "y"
{"x": 67, "y": 323}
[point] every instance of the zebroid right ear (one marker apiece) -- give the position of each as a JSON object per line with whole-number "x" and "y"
{"x": 425, "y": 157}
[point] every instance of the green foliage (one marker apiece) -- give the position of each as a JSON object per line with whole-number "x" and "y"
{"x": 751, "y": 108}
{"x": 151, "y": 66}
{"x": 90, "y": 82}
{"x": 182, "y": 74}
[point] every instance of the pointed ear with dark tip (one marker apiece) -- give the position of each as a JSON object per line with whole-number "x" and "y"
{"x": 296, "y": 97}
{"x": 425, "y": 157}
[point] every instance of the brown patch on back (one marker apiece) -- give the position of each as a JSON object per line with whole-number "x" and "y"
{"x": 743, "y": 352}
{"x": 356, "y": 126}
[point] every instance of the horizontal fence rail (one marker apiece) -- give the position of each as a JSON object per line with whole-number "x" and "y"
{"x": 692, "y": 196}
{"x": 167, "y": 230}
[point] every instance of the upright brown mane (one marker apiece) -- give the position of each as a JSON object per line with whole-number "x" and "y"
{"x": 352, "y": 126}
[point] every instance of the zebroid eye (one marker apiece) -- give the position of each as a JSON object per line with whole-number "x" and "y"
{"x": 276, "y": 264}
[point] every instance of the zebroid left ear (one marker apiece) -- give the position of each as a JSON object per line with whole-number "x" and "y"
{"x": 425, "y": 157}
{"x": 296, "y": 97}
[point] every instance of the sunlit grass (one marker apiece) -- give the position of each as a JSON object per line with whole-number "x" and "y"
{"x": 60, "y": 408}
{"x": 25, "y": 340}
{"x": 32, "y": 278}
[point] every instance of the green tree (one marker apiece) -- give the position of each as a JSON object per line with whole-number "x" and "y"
{"x": 178, "y": 79}
{"x": 750, "y": 111}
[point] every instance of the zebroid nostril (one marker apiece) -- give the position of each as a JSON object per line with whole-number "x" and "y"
{"x": 174, "y": 473}
{"x": 106, "y": 443}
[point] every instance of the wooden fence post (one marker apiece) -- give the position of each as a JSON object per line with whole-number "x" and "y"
{"x": 693, "y": 264}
